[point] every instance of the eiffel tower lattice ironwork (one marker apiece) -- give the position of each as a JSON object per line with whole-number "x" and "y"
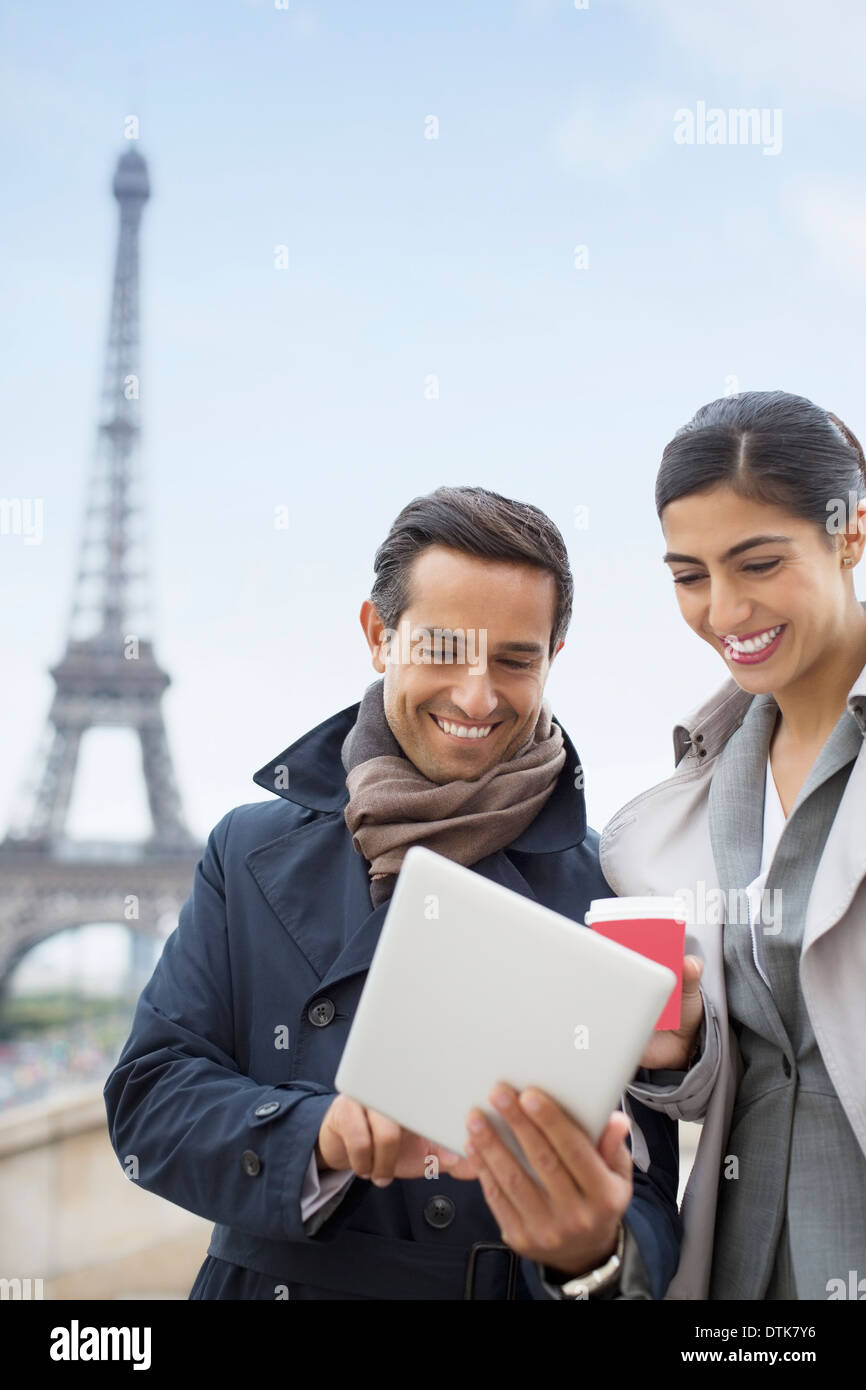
{"x": 108, "y": 675}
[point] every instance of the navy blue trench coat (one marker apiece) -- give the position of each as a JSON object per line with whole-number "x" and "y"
{"x": 222, "y": 1085}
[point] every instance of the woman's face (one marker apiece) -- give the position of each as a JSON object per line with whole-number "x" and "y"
{"x": 762, "y": 586}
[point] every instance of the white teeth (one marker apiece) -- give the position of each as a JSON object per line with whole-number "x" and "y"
{"x": 754, "y": 644}
{"x": 461, "y": 730}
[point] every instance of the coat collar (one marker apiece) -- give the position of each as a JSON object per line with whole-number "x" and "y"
{"x": 310, "y": 773}
{"x": 704, "y": 732}
{"x": 318, "y": 885}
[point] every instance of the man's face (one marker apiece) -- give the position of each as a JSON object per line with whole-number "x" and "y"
{"x": 506, "y": 613}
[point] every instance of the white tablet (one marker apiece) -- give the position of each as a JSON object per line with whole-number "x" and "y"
{"x": 472, "y": 983}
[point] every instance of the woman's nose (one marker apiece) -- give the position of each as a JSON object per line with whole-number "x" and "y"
{"x": 728, "y": 609}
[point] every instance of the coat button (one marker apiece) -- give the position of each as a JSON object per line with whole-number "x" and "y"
{"x": 251, "y": 1163}
{"x": 439, "y": 1212}
{"x": 267, "y": 1109}
{"x": 320, "y": 1012}
{"x": 786, "y": 1066}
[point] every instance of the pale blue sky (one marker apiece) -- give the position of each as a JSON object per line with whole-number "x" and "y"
{"x": 408, "y": 257}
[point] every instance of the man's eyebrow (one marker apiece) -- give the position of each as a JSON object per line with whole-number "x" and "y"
{"x": 729, "y": 554}
{"x": 532, "y": 648}
{"x": 422, "y": 630}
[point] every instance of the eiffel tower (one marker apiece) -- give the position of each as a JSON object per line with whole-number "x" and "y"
{"x": 108, "y": 676}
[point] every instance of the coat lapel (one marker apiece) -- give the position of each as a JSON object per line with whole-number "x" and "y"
{"x": 318, "y": 886}
{"x": 842, "y": 866}
{"x": 736, "y": 817}
{"x": 736, "y": 797}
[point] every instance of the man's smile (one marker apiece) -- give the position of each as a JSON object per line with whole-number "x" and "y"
{"x": 460, "y": 730}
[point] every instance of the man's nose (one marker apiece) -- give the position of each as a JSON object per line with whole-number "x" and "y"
{"x": 474, "y": 695}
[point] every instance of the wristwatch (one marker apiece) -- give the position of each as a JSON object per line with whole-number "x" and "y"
{"x": 598, "y": 1279}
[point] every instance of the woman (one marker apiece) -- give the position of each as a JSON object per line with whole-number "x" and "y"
{"x": 762, "y": 830}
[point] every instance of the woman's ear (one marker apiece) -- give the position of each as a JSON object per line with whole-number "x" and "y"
{"x": 854, "y": 539}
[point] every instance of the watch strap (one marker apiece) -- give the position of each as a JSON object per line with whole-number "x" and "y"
{"x": 596, "y": 1280}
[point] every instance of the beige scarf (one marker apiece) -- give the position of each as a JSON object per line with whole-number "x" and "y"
{"x": 392, "y": 805}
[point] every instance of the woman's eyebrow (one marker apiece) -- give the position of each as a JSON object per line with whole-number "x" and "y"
{"x": 729, "y": 554}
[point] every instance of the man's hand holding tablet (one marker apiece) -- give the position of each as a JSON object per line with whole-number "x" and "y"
{"x": 354, "y": 1137}
{"x": 568, "y": 1221}
{"x": 531, "y": 1007}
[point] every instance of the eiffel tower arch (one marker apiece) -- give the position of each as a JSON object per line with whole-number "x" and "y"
{"x": 108, "y": 675}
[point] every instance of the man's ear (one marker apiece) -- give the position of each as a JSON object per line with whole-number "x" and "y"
{"x": 375, "y": 633}
{"x": 557, "y": 649}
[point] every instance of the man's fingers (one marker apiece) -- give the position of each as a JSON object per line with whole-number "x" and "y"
{"x": 519, "y": 1191}
{"x": 355, "y": 1133}
{"x": 387, "y": 1138}
{"x": 591, "y": 1173}
{"x": 545, "y": 1161}
{"x": 504, "y": 1189}
{"x": 507, "y": 1217}
{"x": 612, "y": 1145}
{"x": 455, "y": 1165}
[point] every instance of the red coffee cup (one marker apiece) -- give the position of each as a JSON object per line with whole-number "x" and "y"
{"x": 654, "y": 927}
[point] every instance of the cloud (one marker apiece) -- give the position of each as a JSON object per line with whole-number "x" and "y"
{"x": 611, "y": 136}
{"x": 832, "y": 215}
{"x": 819, "y": 48}
{"x": 536, "y": 9}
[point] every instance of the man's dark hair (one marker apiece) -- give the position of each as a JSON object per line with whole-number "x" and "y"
{"x": 476, "y": 522}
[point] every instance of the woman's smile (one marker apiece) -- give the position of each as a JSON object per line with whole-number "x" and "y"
{"x": 754, "y": 647}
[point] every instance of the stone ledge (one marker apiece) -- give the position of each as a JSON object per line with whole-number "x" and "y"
{"x": 64, "y": 1113}
{"x": 164, "y": 1271}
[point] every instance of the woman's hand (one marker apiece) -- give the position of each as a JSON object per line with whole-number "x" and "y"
{"x": 671, "y": 1049}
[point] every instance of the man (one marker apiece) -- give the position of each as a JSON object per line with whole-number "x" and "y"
{"x": 224, "y": 1091}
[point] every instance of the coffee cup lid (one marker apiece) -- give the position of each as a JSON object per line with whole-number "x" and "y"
{"x": 615, "y": 909}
